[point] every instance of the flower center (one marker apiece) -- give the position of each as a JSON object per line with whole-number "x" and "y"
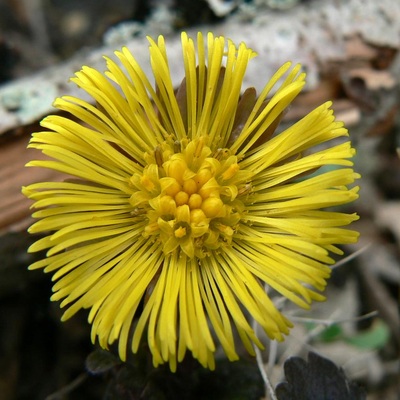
{"x": 190, "y": 196}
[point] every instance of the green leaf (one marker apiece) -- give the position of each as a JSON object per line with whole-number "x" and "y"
{"x": 331, "y": 333}
{"x": 374, "y": 338}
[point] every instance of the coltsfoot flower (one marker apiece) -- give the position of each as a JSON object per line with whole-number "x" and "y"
{"x": 185, "y": 203}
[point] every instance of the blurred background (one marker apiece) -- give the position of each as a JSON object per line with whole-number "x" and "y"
{"x": 350, "y": 50}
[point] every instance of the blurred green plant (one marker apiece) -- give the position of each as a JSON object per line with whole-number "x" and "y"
{"x": 373, "y": 338}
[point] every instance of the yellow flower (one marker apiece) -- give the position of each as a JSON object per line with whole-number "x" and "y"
{"x": 186, "y": 203}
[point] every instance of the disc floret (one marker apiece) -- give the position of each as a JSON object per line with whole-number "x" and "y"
{"x": 191, "y": 196}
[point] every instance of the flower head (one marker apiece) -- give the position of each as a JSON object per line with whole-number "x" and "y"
{"x": 185, "y": 203}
